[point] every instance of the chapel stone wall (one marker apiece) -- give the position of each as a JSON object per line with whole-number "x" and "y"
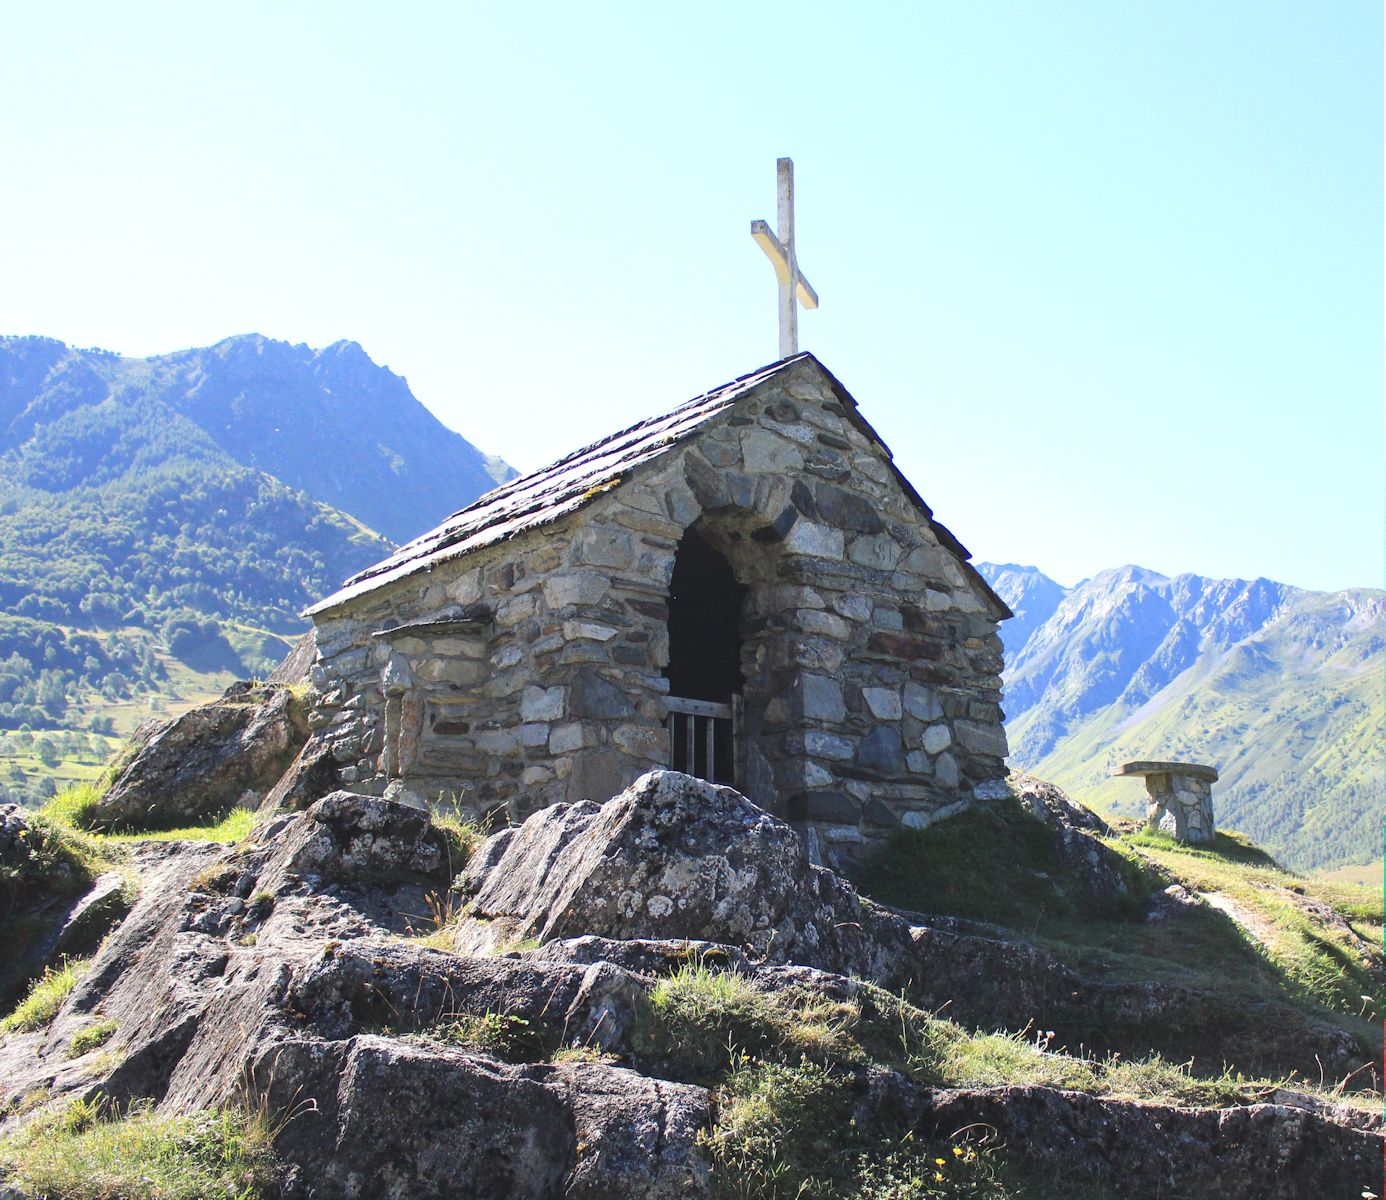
{"x": 531, "y": 672}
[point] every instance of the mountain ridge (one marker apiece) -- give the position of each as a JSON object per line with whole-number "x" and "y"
{"x": 1278, "y": 686}
{"x": 163, "y": 522}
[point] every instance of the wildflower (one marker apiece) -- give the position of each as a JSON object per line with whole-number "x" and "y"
{"x": 957, "y": 1151}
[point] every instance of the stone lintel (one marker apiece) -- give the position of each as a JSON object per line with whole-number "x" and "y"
{"x": 1190, "y": 770}
{"x": 476, "y": 622}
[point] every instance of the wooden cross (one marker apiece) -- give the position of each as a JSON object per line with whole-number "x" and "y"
{"x": 780, "y": 252}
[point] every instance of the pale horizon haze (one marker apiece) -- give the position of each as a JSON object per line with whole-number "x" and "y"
{"x": 1107, "y": 278}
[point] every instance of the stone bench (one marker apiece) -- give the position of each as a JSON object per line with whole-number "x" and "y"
{"x": 1180, "y": 797}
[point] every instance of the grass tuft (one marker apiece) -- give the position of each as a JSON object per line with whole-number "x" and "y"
{"x": 92, "y": 1037}
{"x": 46, "y": 996}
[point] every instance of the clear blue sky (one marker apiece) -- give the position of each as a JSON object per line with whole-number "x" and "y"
{"x": 1107, "y": 276}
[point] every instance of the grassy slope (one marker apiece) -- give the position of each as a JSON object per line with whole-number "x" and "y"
{"x": 1312, "y": 944}
{"x": 82, "y": 755}
{"x": 1294, "y": 725}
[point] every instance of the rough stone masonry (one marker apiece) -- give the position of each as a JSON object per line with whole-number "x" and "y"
{"x": 520, "y": 654}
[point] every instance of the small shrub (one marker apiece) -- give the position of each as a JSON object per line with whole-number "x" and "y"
{"x": 916, "y": 1170}
{"x": 993, "y": 1059}
{"x": 93, "y": 1036}
{"x": 993, "y": 862}
{"x": 699, "y": 1019}
{"x": 498, "y": 1034}
{"x": 55, "y": 858}
{"x": 783, "y": 1132}
{"x": 261, "y": 901}
{"x": 1155, "y": 1078}
{"x": 46, "y": 996}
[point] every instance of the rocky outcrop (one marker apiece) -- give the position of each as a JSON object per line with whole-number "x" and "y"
{"x": 1102, "y": 872}
{"x": 1253, "y": 1152}
{"x": 277, "y": 966}
{"x": 201, "y": 765}
{"x": 675, "y": 857}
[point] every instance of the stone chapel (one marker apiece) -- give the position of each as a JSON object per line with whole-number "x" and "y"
{"x": 745, "y": 589}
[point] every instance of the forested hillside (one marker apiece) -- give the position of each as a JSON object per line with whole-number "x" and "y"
{"x": 1277, "y": 687}
{"x": 147, "y": 553}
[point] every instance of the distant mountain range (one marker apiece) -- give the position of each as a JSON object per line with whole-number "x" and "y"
{"x": 1279, "y": 688}
{"x": 164, "y": 520}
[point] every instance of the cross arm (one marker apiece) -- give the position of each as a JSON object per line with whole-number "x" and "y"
{"x": 775, "y": 252}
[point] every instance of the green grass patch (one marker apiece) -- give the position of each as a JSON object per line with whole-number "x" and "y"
{"x": 1320, "y": 938}
{"x": 75, "y": 806}
{"x": 789, "y": 1132}
{"x": 699, "y": 1019}
{"x": 996, "y": 862}
{"x": 460, "y": 840}
{"x": 90, "y": 1038}
{"x": 236, "y": 826}
{"x": 1310, "y": 946}
{"x": 46, "y": 996}
{"x": 90, "y": 1151}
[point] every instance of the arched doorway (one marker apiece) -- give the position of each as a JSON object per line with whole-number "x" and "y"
{"x": 704, "y": 671}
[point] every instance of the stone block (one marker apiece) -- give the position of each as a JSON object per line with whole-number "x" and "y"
{"x": 592, "y": 695}
{"x": 498, "y": 741}
{"x": 820, "y": 699}
{"x": 827, "y": 745}
{"x": 853, "y": 607}
{"x": 884, "y": 703}
{"x": 643, "y": 741}
{"x": 946, "y": 770}
{"x": 844, "y": 835}
{"x": 883, "y": 617}
{"x": 824, "y": 624}
{"x": 881, "y": 751}
{"x": 874, "y": 812}
{"x": 919, "y": 763}
{"x": 844, "y": 509}
{"x": 719, "y": 454}
{"x": 879, "y": 552}
{"x": 978, "y": 738}
{"x": 817, "y": 541}
{"x": 602, "y": 547}
{"x": 541, "y": 704}
{"x": 564, "y": 739}
{"x": 589, "y": 631}
{"x": 575, "y": 587}
{"x": 536, "y": 734}
{"x": 824, "y": 806}
{"x": 937, "y": 738}
{"x": 515, "y": 609}
{"x": 763, "y": 452}
{"x": 681, "y": 505}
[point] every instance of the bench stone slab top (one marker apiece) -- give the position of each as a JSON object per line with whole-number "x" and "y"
{"x": 1191, "y": 770}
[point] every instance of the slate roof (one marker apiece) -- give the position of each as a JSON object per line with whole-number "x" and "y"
{"x": 551, "y": 493}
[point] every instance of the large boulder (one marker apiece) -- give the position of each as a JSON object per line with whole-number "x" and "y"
{"x": 199, "y": 766}
{"x": 674, "y": 857}
{"x": 1101, "y": 873}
